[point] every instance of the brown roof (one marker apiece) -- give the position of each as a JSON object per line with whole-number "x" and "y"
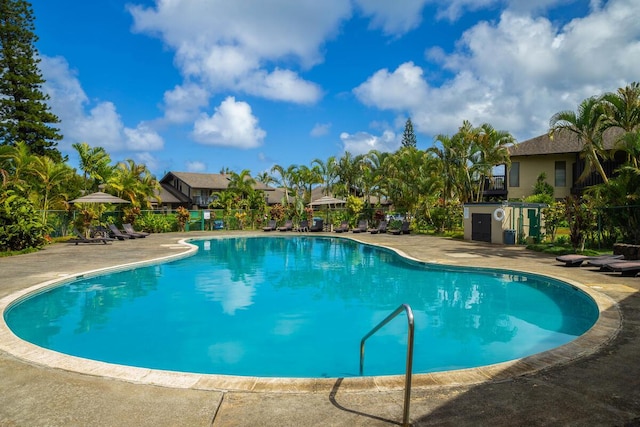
{"x": 212, "y": 181}
{"x": 563, "y": 142}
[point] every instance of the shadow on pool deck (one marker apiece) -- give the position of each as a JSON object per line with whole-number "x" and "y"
{"x": 602, "y": 388}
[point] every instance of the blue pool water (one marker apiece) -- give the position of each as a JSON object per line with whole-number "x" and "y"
{"x": 298, "y": 307}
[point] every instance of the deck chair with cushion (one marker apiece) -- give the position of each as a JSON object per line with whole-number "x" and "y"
{"x": 128, "y": 229}
{"x": 343, "y": 227}
{"x": 288, "y": 226}
{"x": 119, "y": 234}
{"x": 270, "y": 226}
{"x": 404, "y": 229}
{"x": 627, "y": 268}
{"x": 380, "y": 229}
{"x": 303, "y": 226}
{"x": 362, "y": 227}
{"x": 80, "y": 238}
{"x": 318, "y": 225}
{"x": 576, "y": 260}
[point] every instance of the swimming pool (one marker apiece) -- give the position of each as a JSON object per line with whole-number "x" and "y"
{"x": 248, "y": 318}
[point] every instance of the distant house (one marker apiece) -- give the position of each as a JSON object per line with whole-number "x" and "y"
{"x": 561, "y": 162}
{"x": 197, "y": 190}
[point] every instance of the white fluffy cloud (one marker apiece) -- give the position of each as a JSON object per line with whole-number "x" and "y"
{"x": 232, "y": 45}
{"x": 516, "y": 73}
{"x": 232, "y": 125}
{"x": 97, "y": 124}
{"x": 363, "y": 142}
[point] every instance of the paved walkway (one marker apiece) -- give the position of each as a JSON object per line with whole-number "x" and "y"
{"x": 596, "y": 382}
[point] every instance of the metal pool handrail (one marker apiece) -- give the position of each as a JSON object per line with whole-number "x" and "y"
{"x": 407, "y": 376}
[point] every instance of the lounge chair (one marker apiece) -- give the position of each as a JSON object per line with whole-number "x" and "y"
{"x": 361, "y": 228}
{"x": 576, "y": 260}
{"x": 271, "y": 226}
{"x": 342, "y": 228}
{"x": 404, "y": 229}
{"x": 627, "y": 268}
{"x": 303, "y": 226}
{"x": 80, "y": 238}
{"x": 128, "y": 229}
{"x": 318, "y": 225}
{"x": 288, "y": 226}
{"x": 381, "y": 228}
{"x": 119, "y": 234}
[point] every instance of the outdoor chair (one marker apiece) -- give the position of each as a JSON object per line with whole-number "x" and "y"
{"x": 361, "y": 228}
{"x": 303, "y": 226}
{"x": 119, "y": 234}
{"x": 270, "y": 226}
{"x": 627, "y": 268}
{"x": 80, "y": 238}
{"x": 343, "y": 227}
{"x": 288, "y": 226}
{"x": 381, "y": 228}
{"x": 318, "y": 225}
{"x": 128, "y": 229}
{"x": 576, "y": 260}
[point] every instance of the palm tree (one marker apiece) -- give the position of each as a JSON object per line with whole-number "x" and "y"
{"x": 134, "y": 182}
{"x": 49, "y": 183}
{"x": 95, "y": 163}
{"x": 491, "y": 146}
{"x": 622, "y": 110}
{"x": 587, "y": 125}
{"x": 241, "y": 183}
{"x": 286, "y": 176}
{"x": 328, "y": 172}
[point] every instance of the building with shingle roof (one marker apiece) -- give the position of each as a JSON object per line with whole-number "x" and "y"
{"x": 561, "y": 162}
{"x": 196, "y": 190}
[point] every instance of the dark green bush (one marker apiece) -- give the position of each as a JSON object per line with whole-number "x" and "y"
{"x": 21, "y": 225}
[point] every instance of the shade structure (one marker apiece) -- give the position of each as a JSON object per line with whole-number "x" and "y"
{"x": 327, "y": 201}
{"x": 99, "y": 197}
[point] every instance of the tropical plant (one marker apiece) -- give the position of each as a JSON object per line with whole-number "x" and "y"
{"x": 182, "y": 216}
{"x": 95, "y": 163}
{"x": 20, "y": 225}
{"x": 587, "y": 125}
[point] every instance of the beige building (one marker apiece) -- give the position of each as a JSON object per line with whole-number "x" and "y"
{"x": 559, "y": 159}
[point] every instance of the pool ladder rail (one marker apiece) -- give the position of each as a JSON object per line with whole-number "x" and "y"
{"x": 409, "y": 367}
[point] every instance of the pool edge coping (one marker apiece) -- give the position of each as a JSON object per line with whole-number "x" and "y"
{"x": 605, "y": 329}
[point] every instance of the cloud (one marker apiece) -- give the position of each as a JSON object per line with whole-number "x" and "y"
{"x": 232, "y": 125}
{"x": 196, "y": 166}
{"x": 363, "y": 142}
{"x": 236, "y": 46}
{"x": 97, "y": 124}
{"x": 320, "y": 129}
{"x": 143, "y": 138}
{"x": 515, "y": 73}
{"x": 183, "y": 103}
{"x": 393, "y": 17}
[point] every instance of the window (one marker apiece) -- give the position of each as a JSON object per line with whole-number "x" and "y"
{"x": 561, "y": 174}
{"x": 514, "y": 175}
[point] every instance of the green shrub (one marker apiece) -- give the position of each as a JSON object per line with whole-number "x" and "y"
{"x": 156, "y": 223}
{"x": 20, "y": 224}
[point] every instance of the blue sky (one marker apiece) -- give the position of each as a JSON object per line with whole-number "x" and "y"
{"x": 198, "y": 85}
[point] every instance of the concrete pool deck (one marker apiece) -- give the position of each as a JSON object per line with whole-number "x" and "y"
{"x": 595, "y": 382}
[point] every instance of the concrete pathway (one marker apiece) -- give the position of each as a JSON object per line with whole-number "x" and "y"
{"x": 597, "y": 385}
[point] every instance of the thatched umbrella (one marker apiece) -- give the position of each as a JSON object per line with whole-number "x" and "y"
{"x": 99, "y": 197}
{"x": 327, "y": 201}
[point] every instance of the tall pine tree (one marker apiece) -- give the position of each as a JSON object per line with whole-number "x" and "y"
{"x": 409, "y": 137}
{"x": 24, "y": 113}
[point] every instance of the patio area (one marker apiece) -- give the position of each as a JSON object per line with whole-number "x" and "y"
{"x": 594, "y": 383}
